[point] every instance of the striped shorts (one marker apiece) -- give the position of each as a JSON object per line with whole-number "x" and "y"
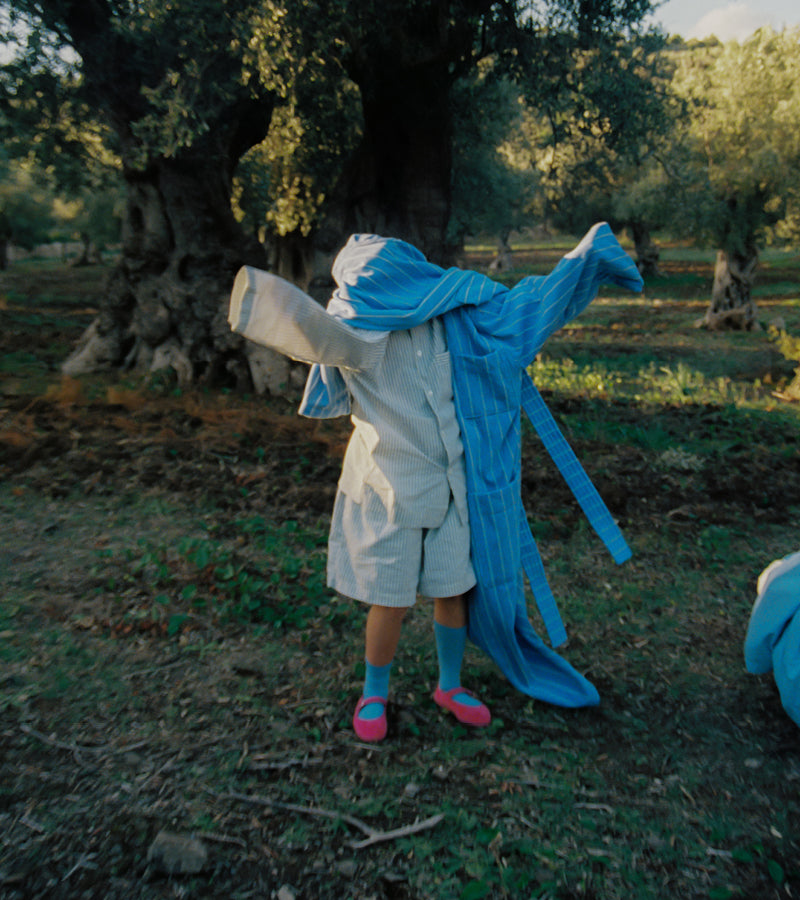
{"x": 377, "y": 562}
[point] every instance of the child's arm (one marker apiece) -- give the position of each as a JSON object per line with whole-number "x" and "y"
{"x": 273, "y": 312}
{"x": 539, "y": 305}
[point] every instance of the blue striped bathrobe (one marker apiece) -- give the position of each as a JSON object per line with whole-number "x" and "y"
{"x": 493, "y": 334}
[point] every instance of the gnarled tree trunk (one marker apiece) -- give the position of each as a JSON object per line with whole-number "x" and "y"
{"x": 396, "y": 183}
{"x": 165, "y": 301}
{"x": 89, "y": 254}
{"x": 732, "y": 305}
{"x": 647, "y": 252}
{"x": 399, "y": 182}
{"x": 504, "y": 258}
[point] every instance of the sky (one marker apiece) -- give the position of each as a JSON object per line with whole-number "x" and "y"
{"x": 726, "y": 19}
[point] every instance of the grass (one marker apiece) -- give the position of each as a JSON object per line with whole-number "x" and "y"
{"x": 279, "y": 581}
{"x": 171, "y": 657}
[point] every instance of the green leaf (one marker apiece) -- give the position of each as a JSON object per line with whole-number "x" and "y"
{"x": 189, "y": 591}
{"x": 201, "y": 556}
{"x": 487, "y": 835}
{"x": 776, "y": 872}
{"x": 226, "y": 573}
{"x": 720, "y": 893}
{"x": 175, "y": 623}
{"x": 475, "y": 890}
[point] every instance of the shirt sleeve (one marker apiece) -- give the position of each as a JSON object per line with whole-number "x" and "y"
{"x": 273, "y": 312}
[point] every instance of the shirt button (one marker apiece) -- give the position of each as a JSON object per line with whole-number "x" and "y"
{"x": 419, "y": 352}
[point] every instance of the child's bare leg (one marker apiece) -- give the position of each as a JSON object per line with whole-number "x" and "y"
{"x": 450, "y": 611}
{"x": 450, "y": 629}
{"x": 383, "y": 633}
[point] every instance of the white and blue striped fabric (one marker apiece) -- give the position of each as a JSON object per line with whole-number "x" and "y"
{"x": 772, "y": 643}
{"x": 493, "y": 334}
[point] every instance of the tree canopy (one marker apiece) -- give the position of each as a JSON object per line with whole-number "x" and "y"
{"x": 744, "y": 131}
{"x": 608, "y": 165}
{"x": 333, "y": 116}
{"x": 742, "y": 155}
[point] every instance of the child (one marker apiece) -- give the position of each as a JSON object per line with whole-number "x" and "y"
{"x": 400, "y": 521}
{"x": 408, "y": 492}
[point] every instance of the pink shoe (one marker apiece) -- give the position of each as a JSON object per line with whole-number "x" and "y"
{"x": 370, "y": 729}
{"x": 468, "y": 715}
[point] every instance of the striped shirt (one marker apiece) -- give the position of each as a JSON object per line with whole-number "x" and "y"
{"x": 406, "y": 443}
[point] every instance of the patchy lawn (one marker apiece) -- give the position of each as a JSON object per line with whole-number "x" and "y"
{"x": 171, "y": 660}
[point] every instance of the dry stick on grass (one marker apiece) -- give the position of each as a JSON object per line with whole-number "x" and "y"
{"x": 223, "y": 839}
{"x": 279, "y": 766}
{"x": 379, "y": 836}
{"x": 373, "y": 835}
{"x": 85, "y": 862}
{"x": 78, "y": 748}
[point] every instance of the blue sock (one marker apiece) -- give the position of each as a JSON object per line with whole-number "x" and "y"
{"x": 450, "y": 644}
{"x": 376, "y": 684}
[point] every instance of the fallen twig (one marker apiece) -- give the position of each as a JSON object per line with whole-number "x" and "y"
{"x": 54, "y": 742}
{"x": 395, "y": 833}
{"x": 279, "y": 765}
{"x": 303, "y": 810}
{"x": 600, "y": 807}
{"x": 84, "y": 862}
{"x": 373, "y": 835}
{"x": 262, "y": 761}
{"x": 169, "y": 764}
{"x": 78, "y": 748}
{"x": 28, "y": 822}
{"x": 370, "y": 747}
{"x": 145, "y": 673}
{"x": 222, "y": 838}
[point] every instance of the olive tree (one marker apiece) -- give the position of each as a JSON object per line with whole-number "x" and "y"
{"x": 609, "y": 162}
{"x": 26, "y": 209}
{"x": 316, "y": 119}
{"x": 165, "y": 89}
{"x": 743, "y": 146}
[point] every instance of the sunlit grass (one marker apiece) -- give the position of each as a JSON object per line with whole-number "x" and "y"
{"x": 791, "y": 288}
{"x": 650, "y": 384}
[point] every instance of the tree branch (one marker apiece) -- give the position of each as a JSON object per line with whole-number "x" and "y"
{"x": 373, "y": 835}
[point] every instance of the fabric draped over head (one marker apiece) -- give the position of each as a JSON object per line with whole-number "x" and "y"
{"x": 385, "y": 284}
{"x": 388, "y": 284}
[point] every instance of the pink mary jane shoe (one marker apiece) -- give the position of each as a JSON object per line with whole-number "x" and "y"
{"x": 468, "y": 715}
{"x": 370, "y": 729}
